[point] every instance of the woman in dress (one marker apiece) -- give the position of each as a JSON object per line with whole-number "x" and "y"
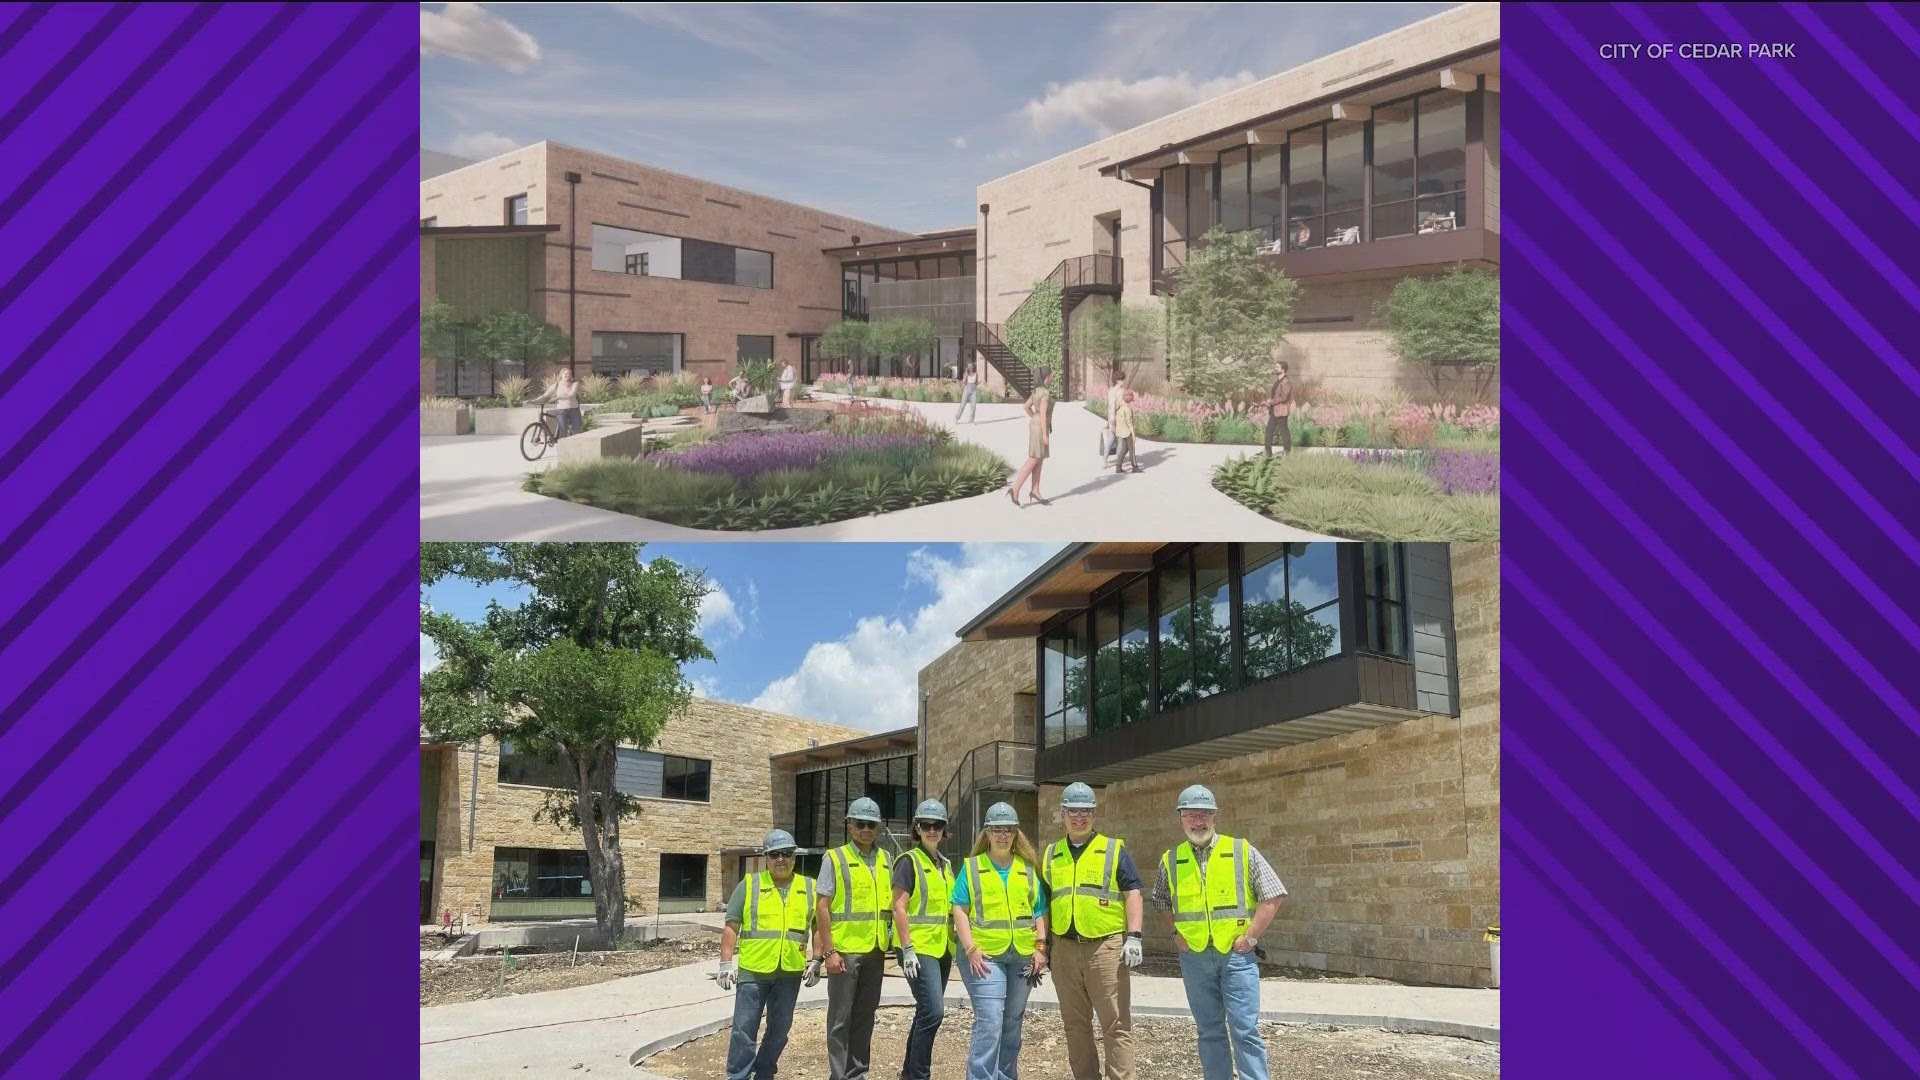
{"x": 1039, "y": 433}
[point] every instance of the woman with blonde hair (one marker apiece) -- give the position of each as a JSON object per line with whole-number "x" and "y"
{"x": 1000, "y": 921}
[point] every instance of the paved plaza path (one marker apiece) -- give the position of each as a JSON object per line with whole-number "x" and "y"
{"x": 598, "y": 1028}
{"x": 470, "y": 490}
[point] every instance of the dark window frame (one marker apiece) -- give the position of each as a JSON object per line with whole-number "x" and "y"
{"x": 772, "y": 260}
{"x": 525, "y": 210}
{"x": 674, "y": 767}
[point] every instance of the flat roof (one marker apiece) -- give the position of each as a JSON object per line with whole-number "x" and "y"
{"x": 898, "y": 739}
{"x": 945, "y": 239}
{"x": 487, "y": 230}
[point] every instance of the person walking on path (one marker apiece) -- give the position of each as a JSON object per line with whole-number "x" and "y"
{"x": 1094, "y": 913}
{"x": 1115, "y": 394}
{"x": 565, "y": 395}
{"x": 1279, "y": 407}
{"x": 770, "y": 917}
{"x": 1000, "y": 920}
{"x": 1210, "y": 884}
{"x": 852, "y": 932}
{"x": 788, "y": 380}
{"x": 1123, "y": 450}
{"x": 1039, "y": 433}
{"x": 969, "y": 396}
{"x": 922, "y": 899}
{"x": 706, "y": 393}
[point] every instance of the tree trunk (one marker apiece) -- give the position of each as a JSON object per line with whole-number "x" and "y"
{"x": 600, "y": 829}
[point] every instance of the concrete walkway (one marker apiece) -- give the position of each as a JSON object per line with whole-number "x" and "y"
{"x": 470, "y": 490}
{"x": 599, "y": 1028}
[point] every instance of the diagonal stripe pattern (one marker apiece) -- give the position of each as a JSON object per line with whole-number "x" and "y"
{"x": 210, "y": 510}
{"x": 1711, "y": 554}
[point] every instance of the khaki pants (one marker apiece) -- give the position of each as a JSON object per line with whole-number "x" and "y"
{"x": 1092, "y": 982}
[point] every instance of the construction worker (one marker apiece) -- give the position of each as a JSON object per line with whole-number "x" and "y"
{"x": 1094, "y": 912}
{"x": 853, "y": 932}
{"x": 1000, "y": 920}
{"x": 770, "y": 916}
{"x": 922, "y": 897}
{"x": 1210, "y": 884}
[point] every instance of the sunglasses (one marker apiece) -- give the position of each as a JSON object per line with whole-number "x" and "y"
{"x": 931, "y": 826}
{"x": 782, "y": 855}
{"x": 866, "y": 824}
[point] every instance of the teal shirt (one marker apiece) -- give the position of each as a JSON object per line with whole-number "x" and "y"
{"x": 960, "y": 895}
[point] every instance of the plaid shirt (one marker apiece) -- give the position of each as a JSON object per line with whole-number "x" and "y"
{"x": 1266, "y": 883}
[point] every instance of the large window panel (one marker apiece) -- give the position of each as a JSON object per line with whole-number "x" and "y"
{"x": 1233, "y": 190}
{"x": 1443, "y": 143}
{"x": 1136, "y": 662}
{"x": 1393, "y": 153}
{"x": 1173, "y": 216}
{"x": 753, "y": 268}
{"x": 685, "y": 778}
{"x": 617, "y": 352}
{"x": 630, "y": 251}
{"x": 1202, "y": 212}
{"x": 1346, "y": 177}
{"x": 540, "y": 883}
{"x": 1384, "y": 612}
{"x": 1064, "y": 685}
{"x": 683, "y": 882}
{"x": 1176, "y": 645}
{"x": 752, "y": 347}
{"x": 1268, "y": 183}
{"x": 1107, "y": 681}
{"x": 1290, "y": 606}
{"x": 529, "y": 770}
{"x": 1212, "y": 621}
{"x": 517, "y": 210}
{"x": 1306, "y": 188}
{"x": 1263, "y": 609}
{"x": 1313, "y": 596}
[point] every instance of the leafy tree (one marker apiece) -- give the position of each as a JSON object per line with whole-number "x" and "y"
{"x": 1121, "y": 335}
{"x": 518, "y": 337}
{"x": 589, "y": 663}
{"x": 897, "y": 339}
{"x": 760, "y": 374}
{"x": 845, "y": 340}
{"x": 1230, "y": 311}
{"x": 438, "y": 327}
{"x": 1447, "y": 322}
{"x": 1035, "y": 333}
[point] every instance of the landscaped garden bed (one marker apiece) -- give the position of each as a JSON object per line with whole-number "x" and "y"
{"x": 867, "y": 463}
{"x": 904, "y": 389}
{"x": 1442, "y": 494}
{"x": 1364, "y": 423}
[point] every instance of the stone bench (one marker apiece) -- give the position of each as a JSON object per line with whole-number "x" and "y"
{"x": 606, "y": 441}
{"x": 446, "y": 421}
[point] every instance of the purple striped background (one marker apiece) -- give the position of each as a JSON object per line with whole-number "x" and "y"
{"x": 207, "y": 469}
{"x": 1710, "y": 575}
{"x": 208, "y": 458}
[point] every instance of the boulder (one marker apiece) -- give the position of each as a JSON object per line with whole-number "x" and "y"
{"x": 758, "y": 404}
{"x": 784, "y": 420}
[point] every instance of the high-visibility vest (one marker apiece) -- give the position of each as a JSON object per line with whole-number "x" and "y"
{"x": 1001, "y": 911}
{"x": 1090, "y": 889}
{"x": 929, "y": 905}
{"x": 861, "y": 910}
{"x": 1217, "y": 912}
{"x": 774, "y": 928}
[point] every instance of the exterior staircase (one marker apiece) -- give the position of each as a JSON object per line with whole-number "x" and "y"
{"x": 1078, "y": 277}
{"x": 994, "y": 768}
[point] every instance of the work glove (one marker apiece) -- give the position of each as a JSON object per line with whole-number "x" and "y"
{"x": 1034, "y": 975}
{"x": 909, "y": 962}
{"x": 725, "y": 975}
{"x": 1131, "y": 954}
{"x": 812, "y": 974}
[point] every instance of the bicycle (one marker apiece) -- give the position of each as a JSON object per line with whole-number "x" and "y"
{"x": 537, "y": 437}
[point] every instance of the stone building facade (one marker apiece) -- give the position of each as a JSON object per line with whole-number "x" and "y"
{"x": 467, "y": 813}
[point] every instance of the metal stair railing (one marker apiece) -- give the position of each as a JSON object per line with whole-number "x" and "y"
{"x": 1011, "y": 767}
{"x": 1079, "y": 277}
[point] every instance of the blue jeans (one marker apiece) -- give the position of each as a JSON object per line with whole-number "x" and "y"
{"x": 1223, "y": 992}
{"x": 969, "y": 400}
{"x": 706, "y": 400}
{"x": 999, "y": 1006}
{"x": 929, "y": 1009}
{"x": 567, "y": 421}
{"x": 750, "y": 999}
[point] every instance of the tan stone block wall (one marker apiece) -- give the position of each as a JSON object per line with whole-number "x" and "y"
{"x": 746, "y": 801}
{"x": 477, "y": 194}
{"x": 975, "y": 697}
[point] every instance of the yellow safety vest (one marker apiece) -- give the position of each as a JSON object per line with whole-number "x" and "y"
{"x": 1001, "y": 911}
{"x": 1217, "y": 911}
{"x": 774, "y": 928}
{"x": 862, "y": 906}
{"x": 929, "y": 905}
{"x": 1090, "y": 889}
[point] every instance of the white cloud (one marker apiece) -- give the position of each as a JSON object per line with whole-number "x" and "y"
{"x": 720, "y": 617}
{"x": 869, "y": 679}
{"x": 1108, "y": 105}
{"x": 481, "y": 145}
{"x": 469, "y": 32}
{"x": 959, "y": 142}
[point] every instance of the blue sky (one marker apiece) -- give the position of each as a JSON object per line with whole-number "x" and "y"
{"x": 886, "y": 113}
{"x": 834, "y": 632}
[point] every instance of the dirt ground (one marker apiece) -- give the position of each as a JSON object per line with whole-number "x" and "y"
{"x": 1164, "y": 1047}
{"x": 473, "y": 978}
{"x": 1169, "y": 967}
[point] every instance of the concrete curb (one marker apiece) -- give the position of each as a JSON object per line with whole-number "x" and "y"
{"x": 1407, "y": 1025}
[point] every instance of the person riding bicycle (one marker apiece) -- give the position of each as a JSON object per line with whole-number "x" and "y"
{"x": 565, "y": 395}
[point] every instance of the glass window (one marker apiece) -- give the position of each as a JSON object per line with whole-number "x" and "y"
{"x": 1313, "y": 599}
{"x": 1267, "y": 181}
{"x": 1442, "y": 162}
{"x": 1063, "y": 688}
{"x": 1212, "y": 655}
{"x": 1384, "y": 614}
{"x": 1175, "y": 659}
{"x": 1346, "y": 175}
{"x": 685, "y": 778}
{"x": 683, "y": 882}
{"x": 429, "y": 222}
{"x": 1173, "y": 216}
{"x": 753, "y": 268}
{"x": 1290, "y": 597}
{"x": 539, "y": 874}
{"x": 1201, "y": 211}
{"x": 1106, "y": 665}
{"x": 1135, "y": 662}
{"x": 1306, "y": 189}
{"x": 1263, "y": 609}
{"x": 629, "y": 251}
{"x": 1233, "y": 189}
{"x": 530, "y": 770}
{"x": 753, "y": 347}
{"x": 619, "y": 352}
{"x": 1392, "y": 153}
{"x": 517, "y": 210}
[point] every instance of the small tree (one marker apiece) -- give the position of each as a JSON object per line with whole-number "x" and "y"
{"x": 518, "y": 337}
{"x": 1035, "y": 333}
{"x": 1450, "y": 322}
{"x": 845, "y": 340}
{"x": 438, "y": 330}
{"x": 897, "y": 339}
{"x": 1230, "y": 311}
{"x": 1121, "y": 336}
{"x": 590, "y": 662}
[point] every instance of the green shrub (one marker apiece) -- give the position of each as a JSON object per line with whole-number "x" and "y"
{"x": 1330, "y": 494}
{"x": 1148, "y": 425}
{"x": 1235, "y": 429}
{"x": 1177, "y": 429}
